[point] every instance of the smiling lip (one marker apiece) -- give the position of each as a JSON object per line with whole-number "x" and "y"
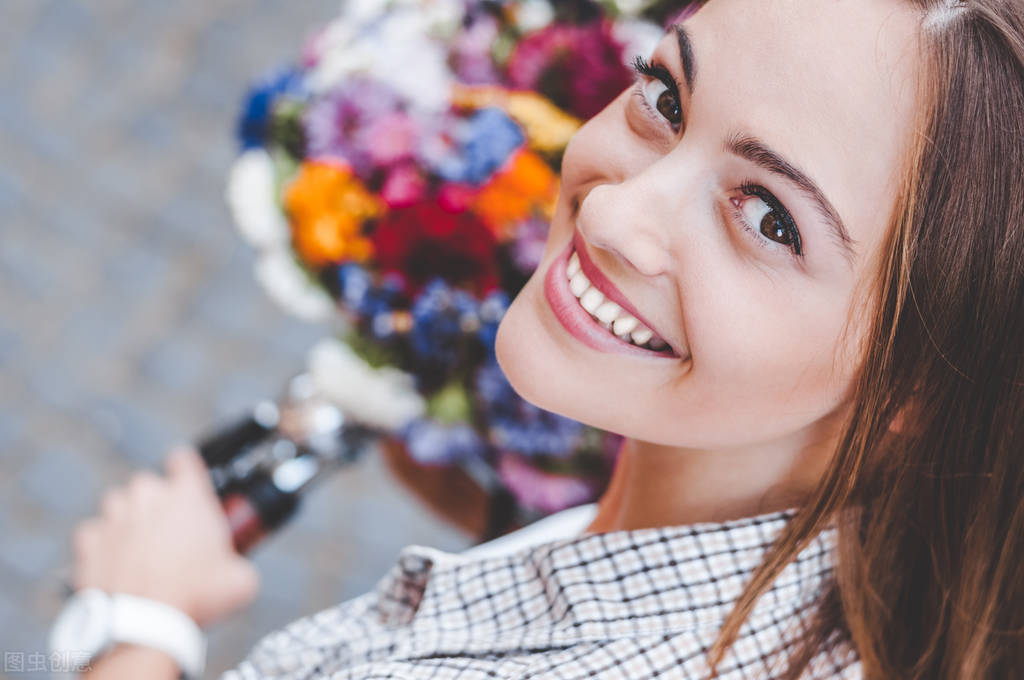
{"x": 603, "y": 284}
{"x": 577, "y": 321}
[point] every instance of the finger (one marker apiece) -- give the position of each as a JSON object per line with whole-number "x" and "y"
{"x": 246, "y": 580}
{"x": 85, "y": 537}
{"x": 186, "y": 466}
{"x": 143, "y": 487}
{"x": 114, "y": 504}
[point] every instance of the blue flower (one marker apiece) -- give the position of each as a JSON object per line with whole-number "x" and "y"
{"x": 443, "y": 317}
{"x": 353, "y": 285}
{"x": 254, "y": 122}
{"x": 377, "y": 304}
{"x": 485, "y": 142}
{"x": 514, "y": 424}
{"x": 434, "y": 443}
{"x": 490, "y": 312}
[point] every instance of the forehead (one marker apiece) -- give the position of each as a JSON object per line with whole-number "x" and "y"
{"x": 830, "y": 84}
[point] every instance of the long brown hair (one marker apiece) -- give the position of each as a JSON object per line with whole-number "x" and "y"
{"x": 927, "y": 484}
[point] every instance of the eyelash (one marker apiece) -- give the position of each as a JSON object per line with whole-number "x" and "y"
{"x": 750, "y": 189}
{"x": 649, "y": 69}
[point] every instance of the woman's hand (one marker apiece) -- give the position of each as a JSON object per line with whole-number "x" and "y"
{"x": 167, "y": 539}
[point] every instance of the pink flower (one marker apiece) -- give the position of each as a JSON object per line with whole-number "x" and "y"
{"x": 541, "y": 490}
{"x": 390, "y": 138}
{"x": 404, "y": 186}
{"x": 456, "y": 197}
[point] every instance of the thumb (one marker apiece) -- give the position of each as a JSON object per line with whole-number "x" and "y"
{"x": 233, "y": 585}
{"x": 241, "y": 582}
{"x": 185, "y": 466}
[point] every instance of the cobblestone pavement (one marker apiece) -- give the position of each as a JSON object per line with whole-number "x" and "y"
{"x": 130, "y": 319}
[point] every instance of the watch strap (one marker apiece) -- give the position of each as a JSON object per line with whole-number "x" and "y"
{"x": 141, "y": 621}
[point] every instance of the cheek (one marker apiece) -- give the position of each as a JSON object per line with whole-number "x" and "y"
{"x": 607, "y": 149}
{"x": 792, "y": 355}
{"x": 767, "y": 362}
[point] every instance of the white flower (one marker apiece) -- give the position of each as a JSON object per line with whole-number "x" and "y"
{"x": 637, "y": 37}
{"x": 534, "y": 14}
{"x": 250, "y": 195}
{"x": 632, "y": 7}
{"x": 364, "y": 11}
{"x": 444, "y": 17}
{"x": 384, "y": 398}
{"x": 290, "y": 287}
{"x": 395, "y": 48}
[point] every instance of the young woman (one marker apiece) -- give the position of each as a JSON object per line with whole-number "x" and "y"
{"x": 787, "y": 265}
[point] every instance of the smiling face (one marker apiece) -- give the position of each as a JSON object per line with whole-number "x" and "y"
{"x": 735, "y": 203}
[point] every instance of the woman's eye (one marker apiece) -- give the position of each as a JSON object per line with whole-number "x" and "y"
{"x": 664, "y": 101}
{"x": 763, "y": 214}
{"x": 659, "y": 92}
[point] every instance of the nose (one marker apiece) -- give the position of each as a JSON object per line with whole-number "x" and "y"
{"x": 623, "y": 219}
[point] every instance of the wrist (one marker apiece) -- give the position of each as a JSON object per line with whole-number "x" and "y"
{"x": 94, "y": 622}
{"x": 134, "y": 661}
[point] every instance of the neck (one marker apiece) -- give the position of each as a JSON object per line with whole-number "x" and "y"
{"x": 654, "y": 485}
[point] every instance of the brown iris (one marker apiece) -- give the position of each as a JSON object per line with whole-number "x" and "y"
{"x": 775, "y": 230}
{"x": 668, "y": 106}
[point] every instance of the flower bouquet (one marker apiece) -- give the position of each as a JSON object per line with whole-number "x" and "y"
{"x": 402, "y": 178}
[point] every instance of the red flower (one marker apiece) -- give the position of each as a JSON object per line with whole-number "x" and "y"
{"x": 425, "y": 241}
{"x": 579, "y": 68}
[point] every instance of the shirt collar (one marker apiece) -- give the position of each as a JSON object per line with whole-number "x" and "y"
{"x": 597, "y": 586}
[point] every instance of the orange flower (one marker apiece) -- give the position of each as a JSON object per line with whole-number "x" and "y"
{"x": 327, "y": 206}
{"x": 525, "y": 187}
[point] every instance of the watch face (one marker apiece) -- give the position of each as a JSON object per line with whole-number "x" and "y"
{"x": 83, "y": 626}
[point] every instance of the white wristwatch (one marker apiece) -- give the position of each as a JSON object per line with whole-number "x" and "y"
{"x": 93, "y": 621}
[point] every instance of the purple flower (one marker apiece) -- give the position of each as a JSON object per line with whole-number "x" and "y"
{"x": 528, "y": 248}
{"x": 341, "y": 124}
{"x": 433, "y": 443}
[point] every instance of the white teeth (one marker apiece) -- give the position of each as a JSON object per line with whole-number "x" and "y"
{"x": 641, "y": 335}
{"x": 607, "y": 312}
{"x": 574, "y": 266}
{"x": 579, "y": 283}
{"x": 624, "y": 325}
{"x": 591, "y": 300}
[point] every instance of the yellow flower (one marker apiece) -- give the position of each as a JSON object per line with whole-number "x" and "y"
{"x": 327, "y": 206}
{"x": 548, "y": 128}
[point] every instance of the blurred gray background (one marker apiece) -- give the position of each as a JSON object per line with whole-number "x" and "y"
{"x": 130, "y": 317}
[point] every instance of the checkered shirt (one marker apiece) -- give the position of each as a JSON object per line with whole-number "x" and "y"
{"x": 625, "y": 604}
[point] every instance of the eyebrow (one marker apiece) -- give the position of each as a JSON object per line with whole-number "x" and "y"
{"x": 758, "y": 153}
{"x": 686, "y": 56}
